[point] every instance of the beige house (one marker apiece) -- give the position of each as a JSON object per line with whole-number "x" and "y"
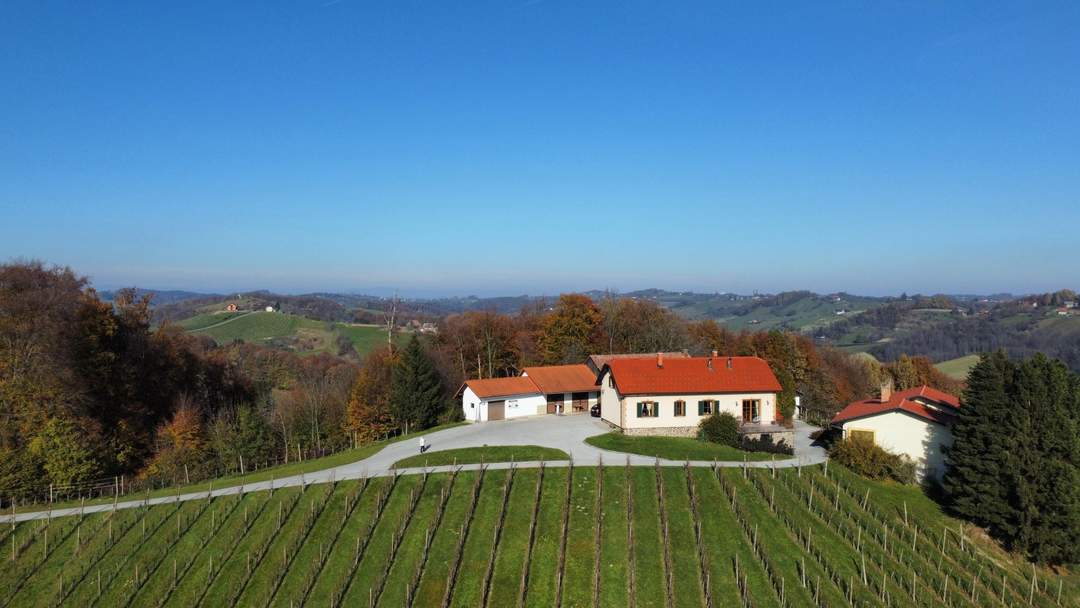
{"x": 916, "y": 423}
{"x": 670, "y": 396}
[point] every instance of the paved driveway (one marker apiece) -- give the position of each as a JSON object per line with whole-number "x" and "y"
{"x": 566, "y": 433}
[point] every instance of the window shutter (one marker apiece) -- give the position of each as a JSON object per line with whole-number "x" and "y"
{"x": 640, "y": 409}
{"x": 700, "y": 408}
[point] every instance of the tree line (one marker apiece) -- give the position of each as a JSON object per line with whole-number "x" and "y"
{"x": 1015, "y": 458}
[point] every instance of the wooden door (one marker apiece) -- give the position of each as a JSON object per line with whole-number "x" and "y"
{"x": 496, "y": 410}
{"x": 581, "y": 402}
{"x": 554, "y": 403}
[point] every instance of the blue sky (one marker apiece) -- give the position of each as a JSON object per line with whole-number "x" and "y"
{"x": 540, "y": 146}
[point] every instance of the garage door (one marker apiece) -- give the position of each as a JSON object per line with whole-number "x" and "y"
{"x": 554, "y": 403}
{"x": 496, "y": 410}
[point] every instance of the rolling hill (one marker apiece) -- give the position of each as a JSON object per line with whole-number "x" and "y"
{"x": 586, "y": 536}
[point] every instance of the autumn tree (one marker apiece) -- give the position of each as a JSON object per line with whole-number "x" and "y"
{"x": 66, "y": 455}
{"x": 368, "y": 413}
{"x": 180, "y": 452}
{"x": 571, "y": 332}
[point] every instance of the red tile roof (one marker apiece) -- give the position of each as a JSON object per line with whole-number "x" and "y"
{"x": 563, "y": 378}
{"x": 501, "y": 387}
{"x": 599, "y": 361}
{"x": 692, "y": 375}
{"x": 903, "y": 401}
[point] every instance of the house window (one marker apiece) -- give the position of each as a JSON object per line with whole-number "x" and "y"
{"x": 867, "y": 436}
{"x": 706, "y": 407}
{"x": 751, "y": 409}
{"x": 648, "y": 409}
{"x": 680, "y": 408}
{"x": 610, "y": 381}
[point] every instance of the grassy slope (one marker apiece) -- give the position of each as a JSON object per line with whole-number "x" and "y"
{"x": 249, "y": 559}
{"x": 267, "y": 474}
{"x": 673, "y": 448}
{"x": 958, "y": 368}
{"x": 496, "y": 453}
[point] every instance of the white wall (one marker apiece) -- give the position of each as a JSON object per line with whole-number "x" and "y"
{"x": 475, "y": 409}
{"x": 610, "y": 405}
{"x": 623, "y": 412}
{"x": 731, "y": 403}
{"x": 903, "y": 433}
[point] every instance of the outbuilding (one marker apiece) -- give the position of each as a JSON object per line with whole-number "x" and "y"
{"x": 916, "y": 423}
{"x": 501, "y": 398}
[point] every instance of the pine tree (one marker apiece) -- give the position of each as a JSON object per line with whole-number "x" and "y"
{"x": 1049, "y": 481}
{"x": 976, "y": 482}
{"x": 417, "y": 393}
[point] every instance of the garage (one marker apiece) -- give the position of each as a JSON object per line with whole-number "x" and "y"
{"x": 496, "y": 410}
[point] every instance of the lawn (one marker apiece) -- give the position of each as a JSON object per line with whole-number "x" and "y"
{"x": 673, "y": 448}
{"x": 492, "y": 453}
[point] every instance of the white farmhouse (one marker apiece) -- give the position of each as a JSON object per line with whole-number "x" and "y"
{"x": 916, "y": 423}
{"x": 670, "y": 396}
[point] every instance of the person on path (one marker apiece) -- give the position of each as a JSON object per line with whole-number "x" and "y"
{"x": 421, "y": 445}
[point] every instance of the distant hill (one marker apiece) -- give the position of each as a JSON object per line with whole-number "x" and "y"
{"x": 161, "y": 297}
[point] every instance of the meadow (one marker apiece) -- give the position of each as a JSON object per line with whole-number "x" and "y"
{"x": 583, "y": 536}
{"x": 306, "y": 336}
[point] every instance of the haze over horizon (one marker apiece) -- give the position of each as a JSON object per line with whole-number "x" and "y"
{"x": 541, "y": 147}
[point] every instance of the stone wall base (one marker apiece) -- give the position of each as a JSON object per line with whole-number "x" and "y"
{"x": 788, "y": 437}
{"x": 664, "y": 431}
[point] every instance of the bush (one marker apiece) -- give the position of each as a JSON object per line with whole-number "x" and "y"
{"x": 765, "y": 444}
{"x": 871, "y": 461}
{"x": 720, "y": 428}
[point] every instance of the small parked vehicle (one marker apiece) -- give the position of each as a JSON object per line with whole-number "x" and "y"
{"x": 595, "y": 410}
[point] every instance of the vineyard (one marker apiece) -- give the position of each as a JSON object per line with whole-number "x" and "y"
{"x": 586, "y": 536}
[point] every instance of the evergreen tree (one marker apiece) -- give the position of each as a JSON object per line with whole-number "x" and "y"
{"x": 976, "y": 482}
{"x": 417, "y": 395}
{"x": 1049, "y": 480}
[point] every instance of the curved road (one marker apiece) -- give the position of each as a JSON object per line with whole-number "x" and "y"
{"x": 566, "y": 433}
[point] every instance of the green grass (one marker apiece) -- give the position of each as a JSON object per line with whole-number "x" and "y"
{"x": 673, "y": 448}
{"x": 958, "y": 368}
{"x": 494, "y": 453}
{"x": 199, "y": 322}
{"x": 366, "y": 338}
{"x": 258, "y": 540}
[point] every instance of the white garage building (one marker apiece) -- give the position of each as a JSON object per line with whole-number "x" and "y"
{"x": 553, "y": 389}
{"x": 501, "y": 398}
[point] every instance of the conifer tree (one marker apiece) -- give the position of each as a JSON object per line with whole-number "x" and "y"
{"x": 417, "y": 393}
{"x": 976, "y": 482}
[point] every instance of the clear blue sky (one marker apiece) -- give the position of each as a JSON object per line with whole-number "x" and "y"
{"x": 541, "y": 146}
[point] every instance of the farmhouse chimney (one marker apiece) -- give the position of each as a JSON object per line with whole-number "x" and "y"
{"x": 715, "y": 354}
{"x": 659, "y": 359}
{"x": 886, "y": 389}
{"x": 729, "y": 362}
{"x": 708, "y": 363}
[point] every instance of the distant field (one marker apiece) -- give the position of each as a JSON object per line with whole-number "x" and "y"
{"x": 958, "y": 368}
{"x": 258, "y": 326}
{"x": 366, "y": 338}
{"x": 587, "y": 536}
{"x": 206, "y": 320}
{"x": 304, "y": 336}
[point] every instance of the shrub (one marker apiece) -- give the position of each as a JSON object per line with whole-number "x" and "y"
{"x": 720, "y": 428}
{"x": 765, "y": 444}
{"x": 869, "y": 460}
